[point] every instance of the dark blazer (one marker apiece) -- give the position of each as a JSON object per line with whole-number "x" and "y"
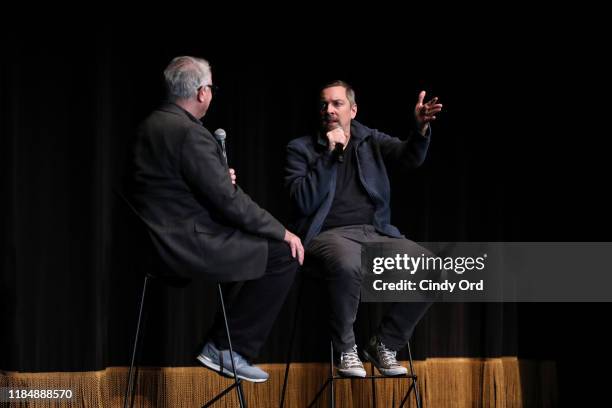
{"x": 310, "y": 175}
{"x": 202, "y": 224}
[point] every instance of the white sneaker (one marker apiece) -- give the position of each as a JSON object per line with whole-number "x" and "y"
{"x": 350, "y": 365}
{"x": 383, "y": 358}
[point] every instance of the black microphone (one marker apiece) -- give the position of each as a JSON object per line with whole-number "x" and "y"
{"x": 339, "y": 152}
{"x": 220, "y": 135}
{"x": 338, "y": 147}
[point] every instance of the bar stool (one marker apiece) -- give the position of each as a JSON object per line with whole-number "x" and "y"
{"x": 306, "y": 272}
{"x": 132, "y": 374}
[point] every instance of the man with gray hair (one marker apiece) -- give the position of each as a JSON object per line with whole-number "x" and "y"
{"x": 208, "y": 225}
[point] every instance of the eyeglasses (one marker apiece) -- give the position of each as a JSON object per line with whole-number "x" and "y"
{"x": 213, "y": 88}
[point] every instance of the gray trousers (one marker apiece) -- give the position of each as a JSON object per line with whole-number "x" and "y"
{"x": 339, "y": 251}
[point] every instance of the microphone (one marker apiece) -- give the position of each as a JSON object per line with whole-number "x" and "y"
{"x": 220, "y": 135}
{"x": 338, "y": 147}
{"x": 339, "y": 152}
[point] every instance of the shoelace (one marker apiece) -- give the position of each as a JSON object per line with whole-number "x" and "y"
{"x": 387, "y": 356}
{"x": 351, "y": 358}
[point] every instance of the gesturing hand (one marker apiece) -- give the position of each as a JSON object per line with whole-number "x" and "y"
{"x": 426, "y": 112}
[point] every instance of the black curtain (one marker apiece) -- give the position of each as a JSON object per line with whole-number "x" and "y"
{"x": 517, "y": 155}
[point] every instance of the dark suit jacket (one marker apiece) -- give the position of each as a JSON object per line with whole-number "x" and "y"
{"x": 201, "y": 223}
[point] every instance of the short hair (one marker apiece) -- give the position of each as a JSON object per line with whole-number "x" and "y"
{"x": 350, "y": 93}
{"x": 185, "y": 75}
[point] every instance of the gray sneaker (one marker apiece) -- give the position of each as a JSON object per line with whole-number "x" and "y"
{"x": 219, "y": 361}
{"x": 383, "y": 358}
{"x": 350, "y": 365}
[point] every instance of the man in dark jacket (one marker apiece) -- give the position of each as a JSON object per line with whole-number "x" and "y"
{"x": 204, "y": 224}
{"x": 338, "y": 184}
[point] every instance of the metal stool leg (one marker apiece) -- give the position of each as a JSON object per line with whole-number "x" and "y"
{"x": 231, "y": 350}
{"x": 414, "y": 379}
{"x": 329, "y": 381}
{"x": 332, "y": 394}
{"x": 413, "y": 384}
{"x": 373, "y": 386}
{"x": 237, "y": 382}
{"x": 291, "y": 340}
{"x": 131, "y": 384}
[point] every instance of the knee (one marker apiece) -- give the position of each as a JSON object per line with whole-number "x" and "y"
{"x": 279, "y": 253}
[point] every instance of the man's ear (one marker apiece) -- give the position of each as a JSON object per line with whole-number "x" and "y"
{"x": 353, "y": 111}
{"x": 200, "y": 94}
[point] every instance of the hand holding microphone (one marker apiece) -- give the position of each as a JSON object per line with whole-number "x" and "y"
{"x": 220, "y": 135}
{"x": 337, "y": 142}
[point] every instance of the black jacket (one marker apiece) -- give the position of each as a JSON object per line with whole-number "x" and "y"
{"x": 310, "y": 175}
{"x": 180, "y": 185}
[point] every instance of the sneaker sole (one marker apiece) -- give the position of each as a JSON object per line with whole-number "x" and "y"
{"x": 208, "y": 363}
{"x": 351, "y": 374}
{"x": 383, "y": 371}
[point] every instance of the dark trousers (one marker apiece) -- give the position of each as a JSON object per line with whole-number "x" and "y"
{"x": 252, "y": 306}
{"x": 339, "y": 250}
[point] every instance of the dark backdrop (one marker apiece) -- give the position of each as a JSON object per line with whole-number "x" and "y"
{"x": 519, "y": 154}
